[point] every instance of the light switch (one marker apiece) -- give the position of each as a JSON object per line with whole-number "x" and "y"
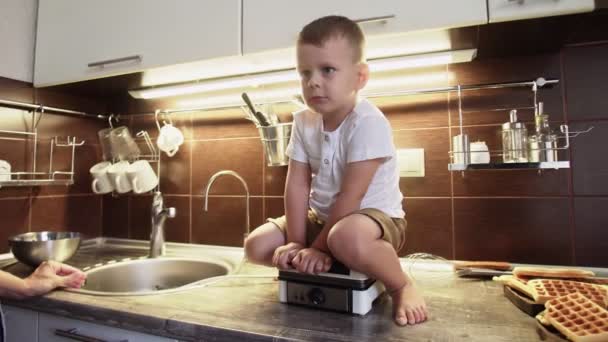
{"x": 411, "y": 162}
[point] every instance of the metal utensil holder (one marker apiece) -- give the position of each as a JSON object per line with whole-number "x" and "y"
{"x": 275, "y": 139}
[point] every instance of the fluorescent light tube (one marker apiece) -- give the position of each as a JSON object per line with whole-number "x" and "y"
{"x": 275, "y": 77}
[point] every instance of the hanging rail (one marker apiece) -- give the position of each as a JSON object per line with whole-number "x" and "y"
{"x": 539, "y": 82}
{"x": 51, "y": 109}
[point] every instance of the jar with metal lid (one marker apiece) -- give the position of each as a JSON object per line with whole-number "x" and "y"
{"x": 514, "y": 140}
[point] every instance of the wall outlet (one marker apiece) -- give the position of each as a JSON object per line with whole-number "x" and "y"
{"x": 411, "y": 162}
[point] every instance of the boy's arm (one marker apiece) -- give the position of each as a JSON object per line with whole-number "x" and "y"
{"x": 297, "y": 190}
{"x": 357, "y": 177}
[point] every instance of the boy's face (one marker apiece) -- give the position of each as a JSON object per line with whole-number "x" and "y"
{"x": 330, "y": 77}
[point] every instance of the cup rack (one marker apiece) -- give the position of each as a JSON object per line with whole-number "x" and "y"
{"x": 35, "y": 177}
{"x": 565, "y": 134}
{"x": 152, "y": 155}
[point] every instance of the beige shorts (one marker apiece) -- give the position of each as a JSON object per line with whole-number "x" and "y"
{"x": 393, "y": 229}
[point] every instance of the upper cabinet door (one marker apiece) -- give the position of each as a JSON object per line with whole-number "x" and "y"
{"x": 506, "y": 10}
{"x": 265, "y": 29}
{"x": 17, "y": 36}
{"x": 85, "y": 39}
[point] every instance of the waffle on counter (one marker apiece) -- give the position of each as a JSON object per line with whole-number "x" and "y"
{"x": 575, "y": 301}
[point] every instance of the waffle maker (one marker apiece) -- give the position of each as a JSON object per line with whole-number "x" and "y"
{"x": 338, "y": 289}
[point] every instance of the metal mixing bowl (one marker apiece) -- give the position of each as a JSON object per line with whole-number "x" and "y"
{"x": 34, "y": 248}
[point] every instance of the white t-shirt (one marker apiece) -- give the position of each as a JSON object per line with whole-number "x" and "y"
{"x": 364, "y": 134}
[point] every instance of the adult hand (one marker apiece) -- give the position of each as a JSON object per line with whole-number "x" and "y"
{"x": 311, "y": 260}
{"x": 284, "y": 254}
{"x": 51, "y": 275}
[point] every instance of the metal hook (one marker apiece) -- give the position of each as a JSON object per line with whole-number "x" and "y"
{"x": 115, "y": 117}
{"x": 37, "y": 121}
{"x": 156, "y": 112}
{"x": 165, "y": 115}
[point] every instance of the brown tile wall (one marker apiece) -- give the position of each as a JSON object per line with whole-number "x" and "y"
{"x": 55, "y": 208}
{"x": 554, "y": 216}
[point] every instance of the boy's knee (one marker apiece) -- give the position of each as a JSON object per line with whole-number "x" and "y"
{"x": 342, "y": 242}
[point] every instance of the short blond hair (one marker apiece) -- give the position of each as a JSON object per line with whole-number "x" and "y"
{"x": 323, "y": 29}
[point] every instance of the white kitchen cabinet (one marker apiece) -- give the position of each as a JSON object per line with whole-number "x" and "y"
{"x": 275, "y": 24}
{"x": 59, "y": 329}
{"x": 30, "y": 326}
{"x": 506, "y": 10}
{"x": 21, "y": 325}
{"x": 86, "y": 39}
{"x": 17, "y": 36}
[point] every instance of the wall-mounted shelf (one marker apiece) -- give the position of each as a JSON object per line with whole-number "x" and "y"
{"x": 563, "y": 135}
{"x": 38, "y": 178}
{"x": 35, "y": 176}
{"x": 36, "y": 182}
{"x": 564, "y": 164}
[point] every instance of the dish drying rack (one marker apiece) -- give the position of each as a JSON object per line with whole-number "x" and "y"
{"x": 564, "y": 136}
{"x": 36, "y": 176}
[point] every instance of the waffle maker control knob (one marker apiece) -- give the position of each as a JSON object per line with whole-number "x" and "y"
{"x": 316, "y": 296}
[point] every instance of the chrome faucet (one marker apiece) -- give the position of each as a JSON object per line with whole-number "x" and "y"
{"x": 159, "y": 215}
{"x": 237, "y": 176}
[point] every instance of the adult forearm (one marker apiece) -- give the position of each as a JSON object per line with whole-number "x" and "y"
{"x": 296, "y": 212}
{"x": 11, "y": 286}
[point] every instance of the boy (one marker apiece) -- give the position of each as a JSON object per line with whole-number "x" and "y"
{"x": 342, "y": 197}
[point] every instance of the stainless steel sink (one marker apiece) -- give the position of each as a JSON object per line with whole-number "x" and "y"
{"x": 150, "y": 276}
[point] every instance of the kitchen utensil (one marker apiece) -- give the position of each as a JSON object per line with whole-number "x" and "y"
{"x": 338, "y": 289}
{"x": 118, "y": 175}
{"x": 101, "y": 180}
{"x": 460, "y": 149}
{"x": 122, "y": 144}
{"x": 142, "y": 176}
{"x": 170, "y": 139}
{"x": 262, "y": 120}
{"x": 5, "y": 170}
{"x": 480, "y": 153}
{"x": 542, "y": 145}
{"x": 275, "y": 140}
{"x": 473, "y": 272}
{"x": 514, "y": 140}
{"x": 36, "y": 247}
{"x": 522, "y": 301}
{"x": 105, "y": 143}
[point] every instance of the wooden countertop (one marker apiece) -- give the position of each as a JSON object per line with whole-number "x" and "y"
{"x": 249, "y": 309}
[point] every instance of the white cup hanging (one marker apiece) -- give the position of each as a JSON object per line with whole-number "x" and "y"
{"x": 170, "y": 138}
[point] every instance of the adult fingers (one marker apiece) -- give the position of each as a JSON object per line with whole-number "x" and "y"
{"x": 74, "y": 280}
{"x": 63, "y": 269}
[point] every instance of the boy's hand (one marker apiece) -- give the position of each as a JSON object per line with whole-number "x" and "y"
{"x": 283, "y": 255}
{"x": 311, "y": 260}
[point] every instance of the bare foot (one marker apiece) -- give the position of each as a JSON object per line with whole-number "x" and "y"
{"x": 408, "y": 305}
